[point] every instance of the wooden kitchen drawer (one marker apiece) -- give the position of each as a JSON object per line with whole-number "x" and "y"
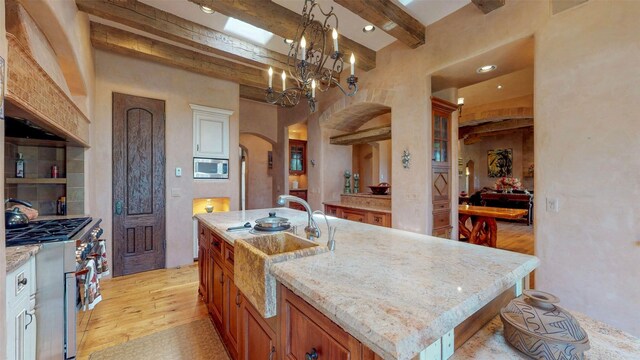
{"x": 216, "y": 245}
{"x": 228, "y": 257}
{"x": 380, "y": 219}
{"x": 203, "y": 235}
{"x": 354, "y": 215}
{"x": 441, "y": 219}
{"x": 331, "y": 210}
{"x": 302, "y": 194}
{"x": 304, "y": 330}
{"x": 441, "y": 206}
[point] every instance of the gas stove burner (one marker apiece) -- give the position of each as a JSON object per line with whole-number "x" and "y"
{"x": 46, "y": 231}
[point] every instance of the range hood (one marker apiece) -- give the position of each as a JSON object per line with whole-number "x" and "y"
{"x": 26, "y": 129}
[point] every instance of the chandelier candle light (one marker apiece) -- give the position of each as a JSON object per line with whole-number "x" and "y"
{"x": 307, "y": 70}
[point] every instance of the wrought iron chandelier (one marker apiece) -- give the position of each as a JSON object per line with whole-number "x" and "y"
{"x": 308, "y": 55}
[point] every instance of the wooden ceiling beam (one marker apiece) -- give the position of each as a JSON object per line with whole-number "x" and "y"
{"x": 283, "y": 22}
{"x": 487, "y": 6}
{"x": 154, "y": 21}
{"x": 123, "y": 42}
{"x": 252, "y": 93}
{"x": 493, "y": 127}
{"x": 365, "y": 136}
{"x": 390, "y": 18}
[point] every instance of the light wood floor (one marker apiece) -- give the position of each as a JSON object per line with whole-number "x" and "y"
{"x": 516, "y": 237}
{"x": 138, "y": 305}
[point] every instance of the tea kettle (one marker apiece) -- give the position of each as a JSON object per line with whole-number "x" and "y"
{"x": 15, "y": 218}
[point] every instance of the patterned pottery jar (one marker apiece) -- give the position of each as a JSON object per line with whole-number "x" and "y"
{"x": 538, "y": 328}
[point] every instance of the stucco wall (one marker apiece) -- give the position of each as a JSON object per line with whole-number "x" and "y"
{"x": 258, "y": 175}
{"x": 586, "y": 149}
{"x": 259, "y": 119}
{"x": 115, "y": 73}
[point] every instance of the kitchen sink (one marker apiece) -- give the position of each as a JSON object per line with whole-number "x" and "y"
{"x": 280, "y": 243}
{"x": 254, "y": 257}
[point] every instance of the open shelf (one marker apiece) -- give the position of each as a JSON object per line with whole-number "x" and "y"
{"x": 35, "y": 181}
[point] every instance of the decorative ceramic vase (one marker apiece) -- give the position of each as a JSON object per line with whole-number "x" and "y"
{"x": 347, "y": 182}
{"x": 356, "y": 183}
{"x": 538, "y": 328}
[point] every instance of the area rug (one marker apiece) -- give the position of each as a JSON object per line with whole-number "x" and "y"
{"x": 196, "y": 340}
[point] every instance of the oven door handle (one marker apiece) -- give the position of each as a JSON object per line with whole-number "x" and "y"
{"x": 70, "y": 297}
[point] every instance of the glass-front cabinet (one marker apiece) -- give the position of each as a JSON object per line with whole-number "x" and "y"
{"x": 297, "y": 157}
{"x": 441, "y": 166}
{"x": 441, "y": 131}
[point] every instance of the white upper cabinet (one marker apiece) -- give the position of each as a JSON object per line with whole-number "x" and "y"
{"x": 210, "y": 132}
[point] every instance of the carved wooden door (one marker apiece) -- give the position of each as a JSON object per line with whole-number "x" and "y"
{"x": 138, "y": 184}
{"x": 441, "y": 166}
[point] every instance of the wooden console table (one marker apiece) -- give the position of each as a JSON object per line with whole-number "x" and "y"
{"x": 484, "y": 229}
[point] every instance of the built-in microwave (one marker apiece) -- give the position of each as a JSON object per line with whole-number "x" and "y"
{"x": 206, "y": 168}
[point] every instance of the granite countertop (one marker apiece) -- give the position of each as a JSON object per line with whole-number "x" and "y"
{"x": 220, "y": 221}
{"x": 18, "y": 255}
{"x": 359, "y": 207}
{"x": 395, "y": 291}
{"x": 606, "y": 343}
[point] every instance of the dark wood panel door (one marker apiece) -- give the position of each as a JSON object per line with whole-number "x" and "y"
{"x": 138, "y": 184}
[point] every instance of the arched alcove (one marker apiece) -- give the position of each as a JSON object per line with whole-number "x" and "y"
{"x": 351, "y": 113}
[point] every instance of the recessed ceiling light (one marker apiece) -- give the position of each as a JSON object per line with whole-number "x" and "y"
{"x": 486, "y": 69}
{"x": 206, "y": 9}
{"x": 368, "y": 28}
{"x": 288, "y": 41}
{"x": 499, "y": 87}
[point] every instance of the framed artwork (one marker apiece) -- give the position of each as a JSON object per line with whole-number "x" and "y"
{"x": 500, "y": 162}
{"x": 1, "y": 88}
{"x": 270, "y": 159}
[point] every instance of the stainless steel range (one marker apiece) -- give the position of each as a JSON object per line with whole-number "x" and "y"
{"x": 57, "y": 290}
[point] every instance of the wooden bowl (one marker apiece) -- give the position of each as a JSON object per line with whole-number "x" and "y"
{"x": 380, "y": 189}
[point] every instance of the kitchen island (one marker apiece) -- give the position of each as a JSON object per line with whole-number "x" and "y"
{"x": 399, "y": 294}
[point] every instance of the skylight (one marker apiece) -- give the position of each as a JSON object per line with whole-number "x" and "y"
{"x": 405, "y": 2}
{"x": 247, "y": 31}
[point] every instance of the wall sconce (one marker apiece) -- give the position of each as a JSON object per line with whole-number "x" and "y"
{"x": 460, "y": 105}
{"x": 406, "y": 158}
{"x": 466, "y": 171}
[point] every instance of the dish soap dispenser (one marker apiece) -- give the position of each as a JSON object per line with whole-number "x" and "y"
{"x": 20, "y": 166}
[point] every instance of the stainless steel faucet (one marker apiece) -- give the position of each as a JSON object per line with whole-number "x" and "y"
{"x": 312, "y": 230}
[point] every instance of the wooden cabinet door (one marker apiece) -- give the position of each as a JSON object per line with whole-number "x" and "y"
{"x": 232, "y": 303}
{"x": 203, "y": 261}
{"x": 304, "y": 330}
{"x": 216, "y": 289}
{"x": 297, "y": 157}
{"x": 257, "y": 340}
{"x": 210, "y": 132}
{"x": 354, "y": 215}
{"x": 441, "y": 166}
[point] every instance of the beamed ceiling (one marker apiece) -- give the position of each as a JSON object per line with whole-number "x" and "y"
{"x": 177, "y": 33}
